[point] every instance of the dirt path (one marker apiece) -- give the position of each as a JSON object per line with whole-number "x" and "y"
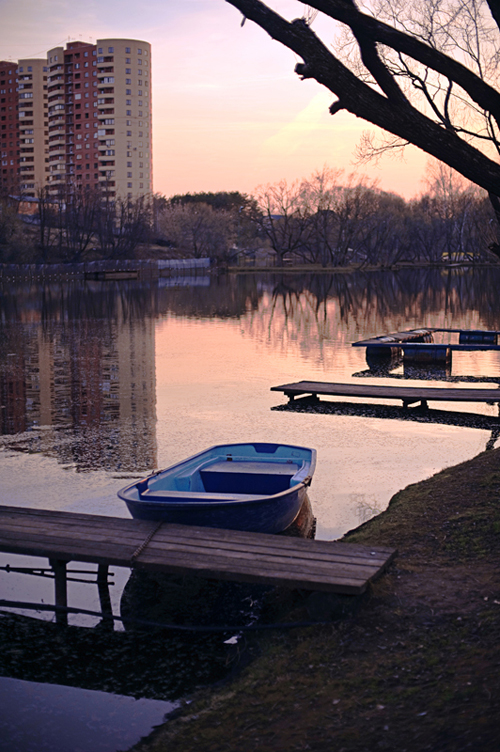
{"x": 415, "y": 666}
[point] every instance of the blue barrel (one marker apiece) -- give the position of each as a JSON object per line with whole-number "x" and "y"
{"x": 478, "y": 338}
{"x": 427, "y": 354}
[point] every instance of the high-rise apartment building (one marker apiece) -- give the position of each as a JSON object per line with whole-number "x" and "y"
{"x": 9, "y": 133}
{"x": 82, "y": 117}
{"x": 32, "y": 123}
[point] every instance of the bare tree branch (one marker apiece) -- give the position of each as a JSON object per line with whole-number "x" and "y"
{"x": 390, "y": 110}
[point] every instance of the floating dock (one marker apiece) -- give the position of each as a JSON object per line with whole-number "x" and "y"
{"x": 184, "y": 549}
{"x": 410, "y": 395}
{"x": 417, "y": 345}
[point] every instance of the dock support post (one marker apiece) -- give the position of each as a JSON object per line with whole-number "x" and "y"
{"x": 61, "y": 591}
{"x": 104, "y": 597}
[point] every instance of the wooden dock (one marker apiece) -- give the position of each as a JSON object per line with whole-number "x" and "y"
{"x": 183, "y": 549}
{"x": 409, "y": 395}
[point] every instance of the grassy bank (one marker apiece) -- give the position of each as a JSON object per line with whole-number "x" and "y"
{"x": 414, "y": 666}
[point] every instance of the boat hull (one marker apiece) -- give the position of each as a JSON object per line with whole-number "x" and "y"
{"x": 226, "y": 488}
{"x": 272, "y": 515}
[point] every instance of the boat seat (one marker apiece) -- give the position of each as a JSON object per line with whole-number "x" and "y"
{"x": 262, "y": 478}
{"x": 195, "y": 496}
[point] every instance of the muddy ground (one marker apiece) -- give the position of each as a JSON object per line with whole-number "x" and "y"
{"x": 413, "y": 665}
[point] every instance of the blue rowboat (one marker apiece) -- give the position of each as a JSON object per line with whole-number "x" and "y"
{"x": 256, "y": 487}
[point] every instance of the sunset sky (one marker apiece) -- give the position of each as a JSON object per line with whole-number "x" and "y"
{"x": 229, "y": 113}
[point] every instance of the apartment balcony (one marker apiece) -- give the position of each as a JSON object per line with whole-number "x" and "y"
{"x": 56, "y": 135}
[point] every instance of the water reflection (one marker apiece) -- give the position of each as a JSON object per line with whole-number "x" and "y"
{"x": 77, "y": 377}
{"x": 77, "y": 361}
{"x": 417, "y": 414}
{"x": 59, "y": 718}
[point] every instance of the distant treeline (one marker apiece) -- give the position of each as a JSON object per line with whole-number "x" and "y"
{"x": 329, "y": 219}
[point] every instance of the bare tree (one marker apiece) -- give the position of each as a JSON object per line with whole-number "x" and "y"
{"x": 425, "y": 72}
{"x": 197, "y": 229}
{"x": 122, "y": 224}
{"x": 82, "y": 206}
{"x": 48, "y": 218}
{"x": 283, "y": 219}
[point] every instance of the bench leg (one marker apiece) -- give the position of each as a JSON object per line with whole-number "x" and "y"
{"x": 104, "y": 597}
{"x": 61, "y": 589}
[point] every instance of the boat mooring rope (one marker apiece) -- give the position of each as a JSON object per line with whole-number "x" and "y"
{"x": 138, "y": 551}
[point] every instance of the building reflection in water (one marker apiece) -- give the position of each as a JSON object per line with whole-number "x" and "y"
{"x": 83, "y": 388}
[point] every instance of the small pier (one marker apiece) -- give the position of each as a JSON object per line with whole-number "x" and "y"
{"x": 410, "y": 395}
{"x": 184, "y": 549}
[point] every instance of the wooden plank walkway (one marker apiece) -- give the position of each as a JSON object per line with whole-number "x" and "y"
{"x": 220, "y": 554}
{"x": 408, "y": 394}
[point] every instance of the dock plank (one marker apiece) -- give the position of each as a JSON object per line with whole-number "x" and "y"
{"x": 221, "y": 554}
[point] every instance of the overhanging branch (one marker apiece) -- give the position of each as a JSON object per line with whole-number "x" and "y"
{"x": 391, "y": 114}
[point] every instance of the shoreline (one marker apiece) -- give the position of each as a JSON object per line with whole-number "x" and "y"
{"x": 414, "y": 666}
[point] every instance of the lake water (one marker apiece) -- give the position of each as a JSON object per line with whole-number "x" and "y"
{"x": 102, "y": 382}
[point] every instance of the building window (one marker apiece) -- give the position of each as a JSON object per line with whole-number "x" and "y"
{"x": 99, "y": 51}
{"x": 127, "y": 50}
{"x": 139, "y": 51}
{"x": 129, "y": 112}
{"x": 110, "y": 50}
{"x": 128, "y": 70}
{"x": 128, "y": 91}
{"x": 129, "y": 133}
{"x": 128, "y": 81}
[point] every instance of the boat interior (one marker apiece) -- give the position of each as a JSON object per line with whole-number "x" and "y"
{"x": 230, "y": 476}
